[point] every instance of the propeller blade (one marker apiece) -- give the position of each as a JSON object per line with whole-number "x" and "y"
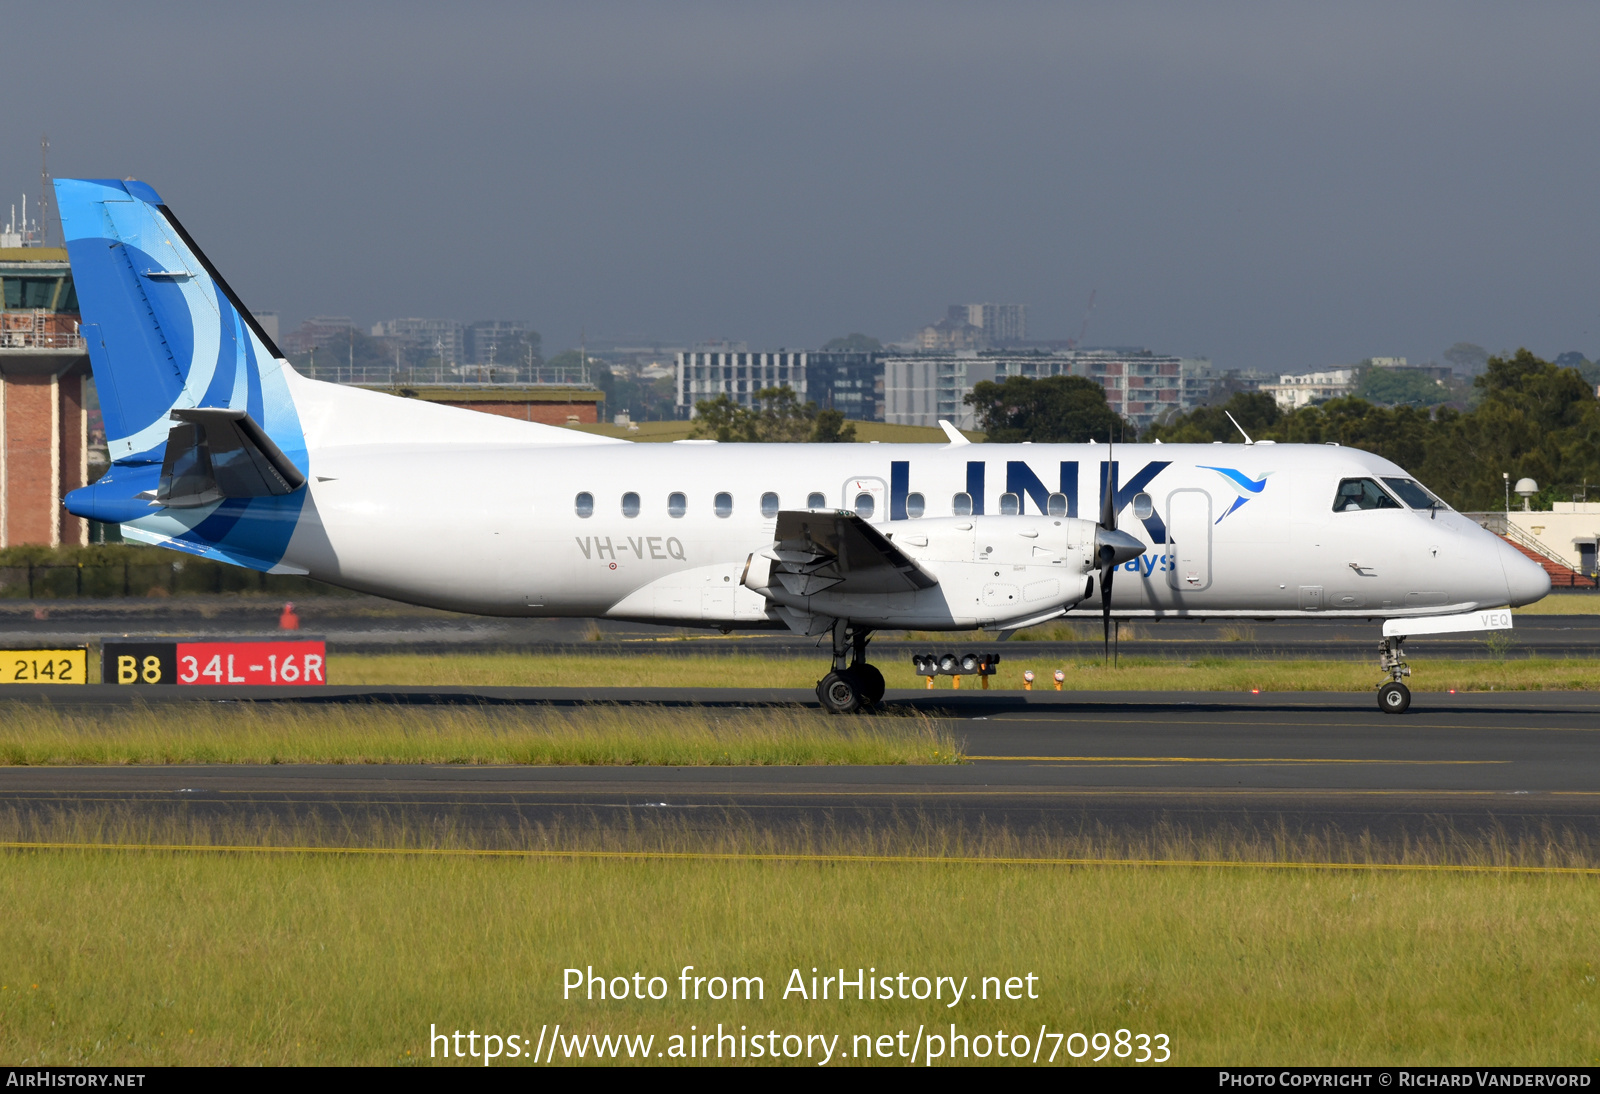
{"x": 1108, "y": 568}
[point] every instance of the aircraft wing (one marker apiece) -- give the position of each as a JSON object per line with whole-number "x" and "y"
{"x": 838, "y": 551}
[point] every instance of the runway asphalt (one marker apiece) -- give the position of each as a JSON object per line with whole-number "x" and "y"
{"x": 369, "y": 625}
{"x": 1519, "y": 765}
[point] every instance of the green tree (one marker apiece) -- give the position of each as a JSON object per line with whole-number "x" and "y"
{"x": 1533, "y": 420}
{"x": 832, "y": 428}
{"x": 854, "y": 343}
{"x": 1256, "y": 412}
{"x": 1401, "y": 387}
{"x": 1060, "y": 409}
{"x": 722, "y": 419}
{"x": 1530, "y": 418}
{"x": 777, "y": 417}
{"x": 781, "y": 416}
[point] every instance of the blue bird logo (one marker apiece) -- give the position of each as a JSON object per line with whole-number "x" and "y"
{"x": 1244, "y": 484}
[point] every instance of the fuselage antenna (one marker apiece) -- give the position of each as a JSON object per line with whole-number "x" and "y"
{"x": 1239, "y": 427}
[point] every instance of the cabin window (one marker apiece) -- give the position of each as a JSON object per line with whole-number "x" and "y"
{"x": 1010, "y": 505}
{"x": 722, "y": 505}
{"x": 1414, "y": 494}
{"x": 1361, "y": 494}
{"x": 630, "y": 504}
{"x": 915, "y": 505}
{"x": 961, "y": 505}
{"x": 1056, "y": 505}
{"x": 583, "y": 504}
{"x": 865, "y": 505}
{"x": 816, "y": 501}
{"x": 677, "y": 505}
{"x": 769, "y": 505}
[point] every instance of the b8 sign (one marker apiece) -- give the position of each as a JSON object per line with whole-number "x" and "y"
{"x": 295, "y": 663}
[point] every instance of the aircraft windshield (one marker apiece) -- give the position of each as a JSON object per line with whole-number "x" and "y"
{"x": 1361, "y": 494}
{"x": 1414, "y": 494}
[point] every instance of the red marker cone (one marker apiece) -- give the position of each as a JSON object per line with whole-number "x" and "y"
{"x": 288, "y": 621}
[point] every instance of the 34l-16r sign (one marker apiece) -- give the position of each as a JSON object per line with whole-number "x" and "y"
{"x": 295, "y": 663}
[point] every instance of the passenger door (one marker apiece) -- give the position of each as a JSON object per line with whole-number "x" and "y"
{"x": 1189, "y": 540}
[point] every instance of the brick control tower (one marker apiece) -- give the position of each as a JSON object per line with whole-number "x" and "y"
{"x": 43, "y": 425}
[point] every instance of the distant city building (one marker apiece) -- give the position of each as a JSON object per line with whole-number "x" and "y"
{"x": 1200, "y": 381}
{"x": 443, "y": 340}
{"x": 975, "y": 326}
{"x": 950, "y": 336}
{"x": 849, "y": 381}
{"x": 318, "y": 333}
{"x": 704, "y": 375}
{"x": 920, "y": 389}
{"x": 1387, "y": 362}
{"x": 501, "y": 342}
{"x": 1000, "y": 323}
{"x": 1292, "y": 392}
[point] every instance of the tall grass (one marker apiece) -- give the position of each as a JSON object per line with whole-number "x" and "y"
{"x": 117, "y": 959}
{"x": 269, "y": 734}
{"x": 916, "y": 833}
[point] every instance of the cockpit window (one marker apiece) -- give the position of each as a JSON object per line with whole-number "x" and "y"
{"x": 1361, "y": 494}
{"x": 1414, "y": 494}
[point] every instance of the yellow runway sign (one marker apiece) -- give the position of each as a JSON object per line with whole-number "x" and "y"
{"x": 44, "y": 666}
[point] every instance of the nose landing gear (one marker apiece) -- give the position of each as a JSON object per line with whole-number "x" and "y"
{"x": 853, "y": 684}
{"x": 1393, "y": 697}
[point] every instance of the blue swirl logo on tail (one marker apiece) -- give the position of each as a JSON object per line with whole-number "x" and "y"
{"x": 1246, "y": 487}
{"x": 165, "y": 333}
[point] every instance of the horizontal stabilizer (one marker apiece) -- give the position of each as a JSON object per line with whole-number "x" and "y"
{"x": 839, "y": 552}
{"x": 214, "y": 453}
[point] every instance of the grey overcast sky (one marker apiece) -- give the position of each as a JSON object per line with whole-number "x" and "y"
{"x": 1273, "y": 185}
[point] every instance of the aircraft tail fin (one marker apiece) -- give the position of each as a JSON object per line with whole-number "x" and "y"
{"x": 164, "y": 331}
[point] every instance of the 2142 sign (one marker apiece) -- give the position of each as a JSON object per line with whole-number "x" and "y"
{"x": 294, "y": 664}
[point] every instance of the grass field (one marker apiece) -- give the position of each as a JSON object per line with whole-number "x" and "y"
{"x": 245, "y": 733}
{"x": 646, "y": 669}
{"x": 133, "y": 959}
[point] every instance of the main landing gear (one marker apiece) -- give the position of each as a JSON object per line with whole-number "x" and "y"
{"x": 853, "y": 684}
{"x": 1393, "y": 697}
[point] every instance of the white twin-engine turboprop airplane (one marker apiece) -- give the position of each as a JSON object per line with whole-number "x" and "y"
{"x": 219, "y": 448}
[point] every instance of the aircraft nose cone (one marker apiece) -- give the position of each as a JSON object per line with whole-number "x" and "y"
{"x": 1526, "y": 580}
{"x": 1124, "y": 547}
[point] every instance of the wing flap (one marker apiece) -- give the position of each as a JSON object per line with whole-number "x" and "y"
{"x": 840, "y": 552}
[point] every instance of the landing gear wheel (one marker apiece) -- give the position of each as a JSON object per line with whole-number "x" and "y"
{"x": 839, "y": 693}
{"x": 871, "y": 683}
{"x": 1394, "y": 698}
